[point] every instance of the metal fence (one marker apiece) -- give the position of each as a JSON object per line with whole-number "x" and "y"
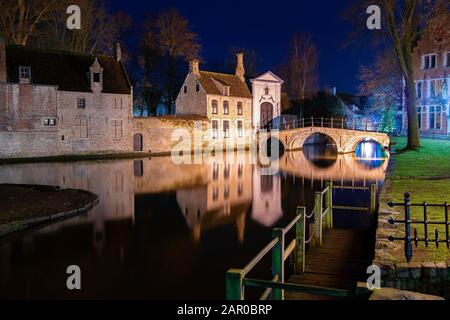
{"x": 413, "y": 237}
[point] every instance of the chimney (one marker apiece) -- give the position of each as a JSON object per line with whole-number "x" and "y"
{"x": 194, "y": 67}
{"x": 240, "y": 70}
{"x": 118, "y": 52}
{"x": 2, "y": 60}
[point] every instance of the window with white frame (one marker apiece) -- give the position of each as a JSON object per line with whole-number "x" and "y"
{"x": 436, "y": 88}
{"x": 429, "y": 61}
{"x": 431, "y": 119}
{"x": 419, "y": 117}
{"x": 214, "y": 106}
{"x": 81, "y": 103}
{"x": 226, "y": 107}
{"x": 419, "y": 89}
{"x": 24, "y": 74}
{"x": 435, "y": 117}
{"x": 240, "y": 109}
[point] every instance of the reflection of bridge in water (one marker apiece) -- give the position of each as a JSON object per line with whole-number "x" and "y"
{"x": 339, "y": 168}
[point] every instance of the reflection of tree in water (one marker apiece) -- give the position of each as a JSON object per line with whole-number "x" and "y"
{"x": 320, "y": 150}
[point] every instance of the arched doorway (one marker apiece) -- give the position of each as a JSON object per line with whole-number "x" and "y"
{"x": 138, "y": 144}
{"x": 266, "y": 113}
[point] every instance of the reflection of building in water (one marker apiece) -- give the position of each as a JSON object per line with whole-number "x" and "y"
{"x": 266, "y": 198}
{"x": 112, "y": 181}
{"x": 225, "y": 199}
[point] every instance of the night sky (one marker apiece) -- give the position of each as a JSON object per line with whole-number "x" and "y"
{"x": 266, "y": 28}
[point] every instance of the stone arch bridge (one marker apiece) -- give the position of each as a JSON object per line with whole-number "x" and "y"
{"x": 346, "y": 140}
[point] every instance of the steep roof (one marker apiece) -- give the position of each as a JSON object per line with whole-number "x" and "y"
{"x": 238, "y": 88}
{"x": 69, "y": 71}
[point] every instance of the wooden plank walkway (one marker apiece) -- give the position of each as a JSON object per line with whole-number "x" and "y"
{"x": 339, "y": 263}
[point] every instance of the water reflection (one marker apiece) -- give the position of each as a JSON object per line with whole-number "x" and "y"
{"x": 370, "y": 155}
{"x": 160, "y": 230}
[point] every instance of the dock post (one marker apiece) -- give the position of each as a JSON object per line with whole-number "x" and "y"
{"x": 234, "y": 285}
{"x": 278, "y": 262}
{"x": 329, "y": 204}
{"x": 300, "y": 239}
{"x": 373, "y": 198}
{"x": 318, "y": 216}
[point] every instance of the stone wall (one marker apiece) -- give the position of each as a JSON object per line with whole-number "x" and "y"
{"x": 40, "y": 121}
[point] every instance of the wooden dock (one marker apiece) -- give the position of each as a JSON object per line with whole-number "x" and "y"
{"x": 339, "y": 263}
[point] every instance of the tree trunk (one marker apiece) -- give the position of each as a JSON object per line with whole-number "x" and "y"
{"x": 413, "y": 123}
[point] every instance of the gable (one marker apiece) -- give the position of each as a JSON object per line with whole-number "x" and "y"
{"x": 269, "y": 77}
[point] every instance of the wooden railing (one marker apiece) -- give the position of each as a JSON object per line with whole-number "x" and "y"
{"x": 237, "y": 280}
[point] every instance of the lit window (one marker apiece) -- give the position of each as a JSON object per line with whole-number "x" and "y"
{"x": 239, "y": 109}
{"x": 81, "y": 103}
{"x": 215, "y": 107}
{"x": 226, "y": 107}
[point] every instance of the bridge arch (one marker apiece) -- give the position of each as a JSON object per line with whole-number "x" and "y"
{"x": 297, "y": 141}
{"x": 354, "y": 142}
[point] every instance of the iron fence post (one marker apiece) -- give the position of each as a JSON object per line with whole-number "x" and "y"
{"x": 408, "y": 244}
{"x": 373, "y": 198}
{"x": 300, "y": 240}
{"x": 234, "y": 285}
{"x": 329, "y": 204}
{"x": 318, "y": 216}
{"x": 278, "y": 262}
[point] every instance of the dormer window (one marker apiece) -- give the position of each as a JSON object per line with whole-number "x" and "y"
{"x": 24, "y": 74}
{"x": 429, "y": 61}
{"x": 226, "y": 91}
{"x": 97, "y": 77}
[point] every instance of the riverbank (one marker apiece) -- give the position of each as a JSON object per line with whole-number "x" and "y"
{"x": 25, "y": 206}
{"x": 424, "y": 174}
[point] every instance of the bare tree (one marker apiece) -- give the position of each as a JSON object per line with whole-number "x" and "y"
{"x": 19, "y": 19}
{"x": 403, "y": 22}
{"x": 169, "y": 42}
{"x": 300, "y": 70}
{"x": 99, "y": 28}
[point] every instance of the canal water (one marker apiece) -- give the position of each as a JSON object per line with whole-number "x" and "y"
{"x": 166, "y": 231}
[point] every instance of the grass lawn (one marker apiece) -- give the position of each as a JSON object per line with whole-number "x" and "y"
{"x": 425, "y": 174}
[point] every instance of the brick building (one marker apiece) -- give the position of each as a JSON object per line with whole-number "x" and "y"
{"x": 431, "y": 63}
{"x": 58, "y": 103}
{"x": 226, "y": 100}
